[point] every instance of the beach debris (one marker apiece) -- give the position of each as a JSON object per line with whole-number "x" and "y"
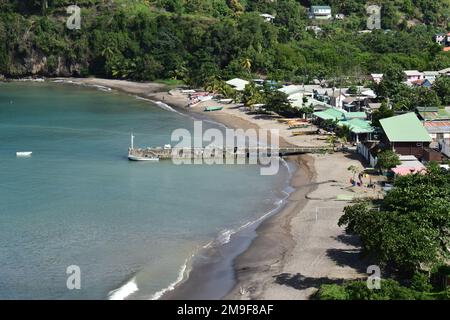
{"x": 242, "y": 291}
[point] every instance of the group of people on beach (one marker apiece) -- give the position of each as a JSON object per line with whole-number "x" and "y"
{"x": 360, "y": 182}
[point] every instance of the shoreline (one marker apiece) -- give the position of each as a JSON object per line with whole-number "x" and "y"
{"x": 276, "y": 236}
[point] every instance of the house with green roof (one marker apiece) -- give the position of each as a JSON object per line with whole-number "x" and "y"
{"x": 433, "y": 113}
{"x": 406, "y": 135}
{"x": 330, "y": 114}
{"x": 356, "y": 121}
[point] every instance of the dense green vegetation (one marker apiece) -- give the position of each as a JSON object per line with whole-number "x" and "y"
{"x": 407, "y": 232}
{"x": 199, "y": 40}
{"x": 387, "y": 159}
{"x": 405, "y": 98}
{"x": 389, "y": 290}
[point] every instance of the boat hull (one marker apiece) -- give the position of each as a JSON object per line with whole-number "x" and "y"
{"x": 210, "y": 109}
{"x": 136, "y": 158}
{"x": 24, "y": 154}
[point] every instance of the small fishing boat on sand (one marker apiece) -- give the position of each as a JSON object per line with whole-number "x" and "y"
{"x": 213, "y": 108}
{"x": 22, "y": 154}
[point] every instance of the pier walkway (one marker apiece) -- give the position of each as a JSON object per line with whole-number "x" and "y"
{"x": 192, "y": 153}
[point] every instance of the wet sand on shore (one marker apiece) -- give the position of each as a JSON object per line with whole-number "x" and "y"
{"x": 301, "y": 246}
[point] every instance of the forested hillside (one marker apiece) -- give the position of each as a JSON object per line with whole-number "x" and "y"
{"x": 196, "y": 40}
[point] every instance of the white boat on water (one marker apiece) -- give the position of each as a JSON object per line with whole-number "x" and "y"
{"x": 24, "y": 154}
{"x": 137, "y": 158}
{"x": 134, "y": 157}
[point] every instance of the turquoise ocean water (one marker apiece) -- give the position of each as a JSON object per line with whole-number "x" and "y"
{"x": 130, "y": 227}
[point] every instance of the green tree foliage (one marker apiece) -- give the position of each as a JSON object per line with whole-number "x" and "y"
{"x": 410, "y": 229}
{"x": 343, "y": 132}
{"x": 199, "y": 39}
{"x": 278, "y": 102}
{"x": 387, "y": 159}
{"x": 358, "y": 290}
{"x": 353, "y": 90}
{"x": 421, "y": 282}
{"x": 252, "y": 95}
{"x": 381, "y": 113}
{"x": 442, "y": 88}
{"x": 406, "y": 98}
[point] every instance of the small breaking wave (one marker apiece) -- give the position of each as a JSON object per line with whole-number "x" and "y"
{"x": 160, "y": 104}
{"x": 125, "y": 291}
{"x": 181, "y": 275}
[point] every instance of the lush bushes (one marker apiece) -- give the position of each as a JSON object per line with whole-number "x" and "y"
{"x": 146, "y": 40}
{"x": 358, "y": 290}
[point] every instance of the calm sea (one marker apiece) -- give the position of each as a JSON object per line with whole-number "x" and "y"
{"x": 130, "y": 227}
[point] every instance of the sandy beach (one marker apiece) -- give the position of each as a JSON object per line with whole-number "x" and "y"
{"x": 300, "y": 247}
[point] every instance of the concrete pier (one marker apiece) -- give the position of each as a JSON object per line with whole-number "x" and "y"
{"x": 208, "y": 153}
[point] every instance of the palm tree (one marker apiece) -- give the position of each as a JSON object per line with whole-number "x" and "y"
{"x": 246, "y": 64}
{"x": 179, "y": 73}
{"x": 331, "y": 140}
{"x": 251, "y": 95}
{"x": 343, "y": 132}
{"x": 213, "y": 85}
{"x": 107, "y": 53}
{"x": 227, "y": 91}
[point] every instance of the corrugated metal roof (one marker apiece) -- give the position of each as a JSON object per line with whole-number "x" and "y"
{"x": 357, "y": 126}
{"x": 354, "y": 115}
{"x": 437, "y": 126}
{"x": 405, "y": 128}
{"x": 321, "y": 7}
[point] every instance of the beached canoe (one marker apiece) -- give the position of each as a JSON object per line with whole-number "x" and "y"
{"x": 213, "y": 108}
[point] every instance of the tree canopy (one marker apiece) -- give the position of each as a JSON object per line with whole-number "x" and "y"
{"x": 409, "y": 229}
{"x": 198, "y": 39}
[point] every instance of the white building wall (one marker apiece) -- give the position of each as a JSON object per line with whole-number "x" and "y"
{"x": 445, "y": 144}
{"x": 364, "y": 151}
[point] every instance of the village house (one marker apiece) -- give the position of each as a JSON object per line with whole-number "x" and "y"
{"x": 413, "y": 75}
{"x": 427, "y": 114}
{"x": 320, "y": 12}
{"x": 376, "y": 77}
{"x": 337, "y": 98}
{"x": 360, "y": 128}
{"x": 439, "y": 132}
{"x": 445, "y": 72}
{"x": 430, "y": 76}
{"x": 445, "y": 148}
{"x": 267, "y": 17}
{"x": 437, "y": 123}
{"x": 405, "y": 135}
{"x": 292, "y": 89}
{"x": 369, "y": 149}
{"x": 408, "y": 165}
{"x": 237, "y": 84}
{"x": 421, "y": 83}
{"x": 440, "y": 38}
{"x": 443, "y": 40}
{"x": 358, "y": 101}
{"x": 371, "y": 107}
